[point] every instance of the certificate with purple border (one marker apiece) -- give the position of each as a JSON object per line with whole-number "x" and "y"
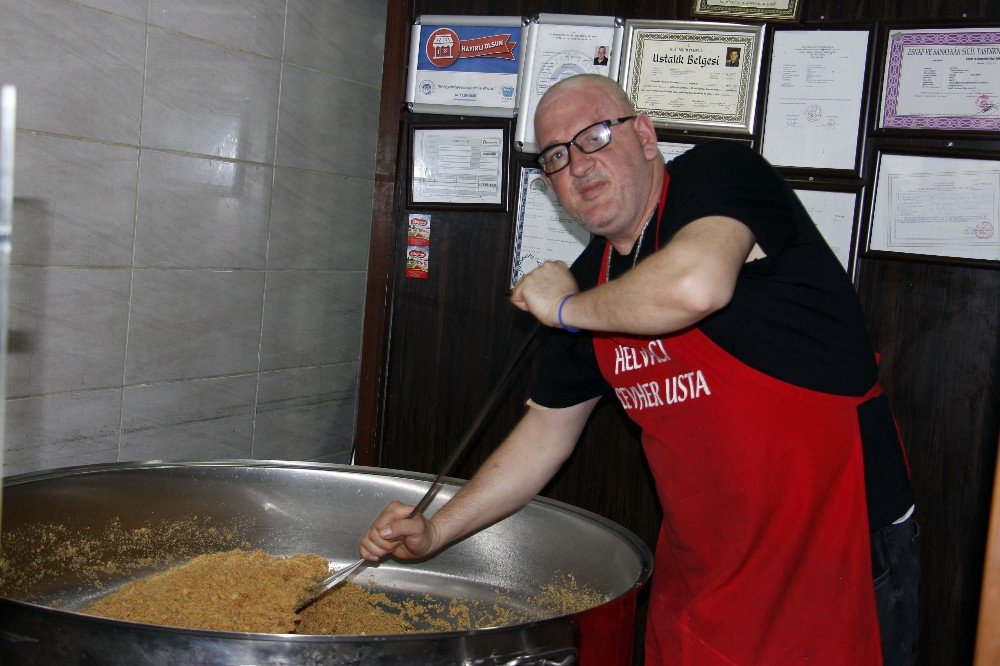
{"x": 942, "y": 79}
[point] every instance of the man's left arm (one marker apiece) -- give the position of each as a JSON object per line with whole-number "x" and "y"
{"x": 688, "y": 279}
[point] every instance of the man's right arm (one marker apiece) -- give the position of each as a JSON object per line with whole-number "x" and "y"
{"x": 517, "y": 471}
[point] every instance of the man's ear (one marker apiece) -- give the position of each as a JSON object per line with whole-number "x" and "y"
{"x": 647, "y": 136}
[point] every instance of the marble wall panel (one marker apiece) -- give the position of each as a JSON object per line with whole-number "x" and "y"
{"x": 62, "y": 430}
{"x": 156, "y": 196}
{"x": 306, "y": 414}
{"x": 66, "y": 329}
{"x": 201, "y": 213}
{"x": 74, "y": 202}
{"x": 327, "y": 123}
{"x": 133, "y": 9}
{"x": 205, "y": 99}
{"x": 250, "y": 25}
{"x": 77, "y": 71}
{"x": 188, "y": 324}
{"x": 205, "y": 419}
{"x": 319, "y": 221}
{"x": 312, "y": 318}
{"x": 332, "y": 35}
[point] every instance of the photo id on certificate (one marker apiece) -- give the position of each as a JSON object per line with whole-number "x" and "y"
{"x": 939, "y": 206}
{"x": 942, "y": 79}
{"x": 693, "y": 75}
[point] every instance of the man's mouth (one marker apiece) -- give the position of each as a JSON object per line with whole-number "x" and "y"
{"x": 591, "y": 189}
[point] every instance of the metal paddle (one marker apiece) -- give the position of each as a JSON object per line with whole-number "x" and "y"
{"x": 341, "y": 575}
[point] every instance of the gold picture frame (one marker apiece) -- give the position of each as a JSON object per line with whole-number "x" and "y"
{"x": 772, "y": 10}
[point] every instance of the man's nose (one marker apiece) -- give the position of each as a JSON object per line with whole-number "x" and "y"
{"x": 579, "y": 162}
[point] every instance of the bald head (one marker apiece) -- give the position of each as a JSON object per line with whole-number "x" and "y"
{"x": 600, "y": 89}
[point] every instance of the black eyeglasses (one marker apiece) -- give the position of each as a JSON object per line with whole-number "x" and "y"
{"x": 588, "y": 140}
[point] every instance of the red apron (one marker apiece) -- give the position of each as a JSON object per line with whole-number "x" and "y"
{"x": 763, "y": 556}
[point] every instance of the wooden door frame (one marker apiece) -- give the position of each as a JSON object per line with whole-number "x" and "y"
{"x": 382, "y": 244}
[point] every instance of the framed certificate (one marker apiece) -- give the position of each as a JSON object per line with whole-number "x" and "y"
{"x": 671, "y": 149}
{"x": 464, "y": 65}
{"x": 544, "y": 230}
{"x": 693, "y": 75}
{"x": 835, "y": 214}
{"x": 936, "y": 206}
{"x": 774, "y": 10}
{"x": 942, "y": 79}
{"x": 559, "y": 46}
{"x": 453, "y": 167}
{"x": 815, "y": 94}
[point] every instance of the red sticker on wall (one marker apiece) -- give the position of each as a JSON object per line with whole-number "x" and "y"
{"x": 418, "y": 245}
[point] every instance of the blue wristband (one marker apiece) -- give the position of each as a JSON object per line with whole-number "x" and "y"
{"x": 568, "y": 329}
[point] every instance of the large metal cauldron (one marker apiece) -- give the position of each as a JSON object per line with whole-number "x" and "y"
{"x": 299, "y": 508}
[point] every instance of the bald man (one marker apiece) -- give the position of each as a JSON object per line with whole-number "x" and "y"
{"x": 709, "y": 305}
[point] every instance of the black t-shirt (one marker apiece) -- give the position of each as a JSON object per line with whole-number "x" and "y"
{"x": 794, "y": 314}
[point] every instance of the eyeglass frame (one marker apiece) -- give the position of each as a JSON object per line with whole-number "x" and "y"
{"x": 609, "y": 123}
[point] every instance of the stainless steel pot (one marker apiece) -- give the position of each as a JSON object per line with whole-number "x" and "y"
{"x": 288, "y": 508}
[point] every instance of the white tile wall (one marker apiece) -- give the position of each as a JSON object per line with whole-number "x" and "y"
{"x": 193, "y": 190}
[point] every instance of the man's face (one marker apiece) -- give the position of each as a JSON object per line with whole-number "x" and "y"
{"x": 600, "y": 53}
{"x": 608, "y": 190}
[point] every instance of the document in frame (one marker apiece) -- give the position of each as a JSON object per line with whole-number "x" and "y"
{"x": 942, "y": 79}
{"x": 464, "y": 64}
{"x": 671, "y": 149}
{"x": 460, "y": 166}
{"x": 694, "y": 75}
{"x": 776, "y": 10}
{"x": 833, "y": 214}
{"x": 940, "y": 206}
{"x": 814, "y": 98}
{"x": 558, "y": 47}
{"x": 544, "y": 230}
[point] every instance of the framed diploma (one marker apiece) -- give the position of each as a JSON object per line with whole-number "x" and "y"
{"x": 815, "y": 95}
{"x": 544, "y": 231}
{"x": 671, "y": 149}
{"x": 458, "y": 167}
{"x": 464, "y": 65}
{"x": 834, "y": 214}
{"x": 774, "y": 10}
{"x": 693, "y": 75}
{"x": 941, "y": 80}
{"x": 936, "y": 206}
{"x": 557, "y": 47}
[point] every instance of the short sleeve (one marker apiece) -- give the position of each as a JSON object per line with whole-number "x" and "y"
{"x": 728, "y": 179}
{"x": 569, "y": 373}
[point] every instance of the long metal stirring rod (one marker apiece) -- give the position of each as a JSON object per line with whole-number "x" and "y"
{"x": 340, "y": 575}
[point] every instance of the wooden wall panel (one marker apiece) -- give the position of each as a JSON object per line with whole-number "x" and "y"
{"x": 937, "y": 327}
{"x": 988, "y": 636}
{"x": 434, "y": 349}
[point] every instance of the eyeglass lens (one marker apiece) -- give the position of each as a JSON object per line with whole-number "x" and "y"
{"x": 588, "y": 140}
